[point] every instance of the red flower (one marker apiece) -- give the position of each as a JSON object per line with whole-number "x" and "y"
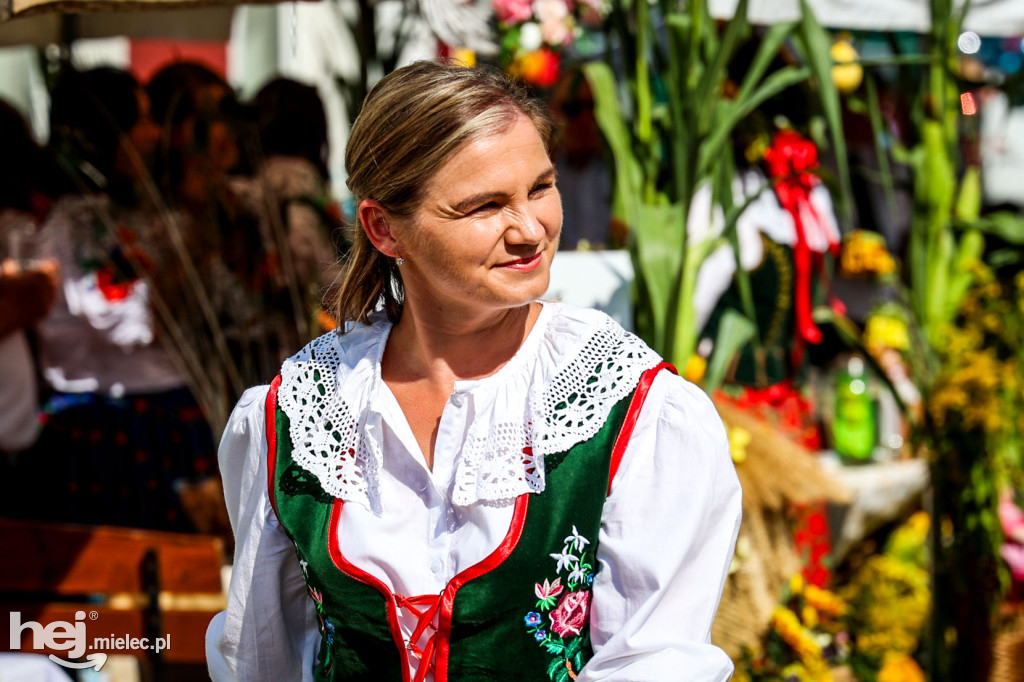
{"x": 571, "y": 614}
{"x": 111, "y": 289}
{"x": 539, "y": 68}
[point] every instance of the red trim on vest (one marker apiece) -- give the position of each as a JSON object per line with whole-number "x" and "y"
{"x": 435, "y": 653}
{"x": 502, "y": 552}
{"x": 632, "y": 414}
{"x": 353, "y": 571}
{"x": 270, "y": 412}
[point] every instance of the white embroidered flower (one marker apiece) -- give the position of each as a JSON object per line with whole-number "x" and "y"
{"x": 565, "y": 559}
{"x": 576, "y": 540}
{"x": 578, "y": 575}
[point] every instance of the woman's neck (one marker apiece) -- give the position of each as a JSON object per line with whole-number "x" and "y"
{"x": 442, "y": 349}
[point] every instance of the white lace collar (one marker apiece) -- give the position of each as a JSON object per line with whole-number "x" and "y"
{"x": 556, "y": 392}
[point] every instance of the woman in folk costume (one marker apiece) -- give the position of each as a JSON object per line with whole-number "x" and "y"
{"x": 468, "y": 483}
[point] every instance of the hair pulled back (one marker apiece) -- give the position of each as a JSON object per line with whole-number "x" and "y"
{"x": 412, "y": 122}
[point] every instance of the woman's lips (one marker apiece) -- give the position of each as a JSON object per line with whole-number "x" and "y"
{"x": 524, "y": 264}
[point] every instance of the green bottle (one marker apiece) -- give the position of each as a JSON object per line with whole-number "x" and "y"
{"x": 855, "y": 425}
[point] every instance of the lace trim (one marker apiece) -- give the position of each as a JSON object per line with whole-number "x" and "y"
{"x": 500, "y": 460}
{"x": 328, "y": 439}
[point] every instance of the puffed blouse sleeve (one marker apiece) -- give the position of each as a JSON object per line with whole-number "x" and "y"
{"x": 268, "y": 631}
{"x": 667, "y": 537}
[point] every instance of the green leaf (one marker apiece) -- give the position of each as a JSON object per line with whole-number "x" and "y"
{"x": 766, "y": 53}
{"x": 816, "y": 45}
{"x": 657, "y": 258}
{"x": 737, "y": 29}
{"x": 732, "y": 217}
{"x": 628, "y": 177}
{"x": 968, "y": 201}
{"x": 878, "y": 130}
{"x": 1002, "y": 224}
{"x": 684, "y": 340}
{"x": 734, "y": 332}
{"x": 970, "y": 249}
{"x": 735, "y": 111}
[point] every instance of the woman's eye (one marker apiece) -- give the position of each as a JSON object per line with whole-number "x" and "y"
{"x": 483, "y": 208}
{"x": 541, "y": 189}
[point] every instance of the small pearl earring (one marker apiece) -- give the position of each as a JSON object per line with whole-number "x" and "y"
{"x": 399, "y": 261}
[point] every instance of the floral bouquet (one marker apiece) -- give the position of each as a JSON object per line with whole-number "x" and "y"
{"x": 808, "y": 637}
{"x": 534, "y": 33}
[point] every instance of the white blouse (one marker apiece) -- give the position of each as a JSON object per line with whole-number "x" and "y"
{"x": 668, "y": 527}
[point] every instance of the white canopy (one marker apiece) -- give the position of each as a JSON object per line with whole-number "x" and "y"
{"x": 986, "y": 17}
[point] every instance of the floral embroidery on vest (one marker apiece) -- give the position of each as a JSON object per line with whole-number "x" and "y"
{"x": 326, "y": 626}
{"x": 566, "y": 634}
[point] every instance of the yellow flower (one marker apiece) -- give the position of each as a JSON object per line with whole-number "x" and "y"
{"x": 883, "y": 331}
{"x": 739, "y": 439}
{"x": 796, "y": 583}
{"x": 696, "y": 366}
{"x": 824, "y": 601}
{"x": 898, "y": 667}
{"x": 809, "y": 616}
{"x": 463, "y": 56}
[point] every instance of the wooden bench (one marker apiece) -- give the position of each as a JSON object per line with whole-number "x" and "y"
{"x": 129, "y": 584}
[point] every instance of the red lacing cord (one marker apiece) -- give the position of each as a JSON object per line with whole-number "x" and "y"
{"x": 425, "y": 619}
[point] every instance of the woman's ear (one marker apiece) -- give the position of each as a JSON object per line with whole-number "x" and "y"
{"x": 376, "y": 222}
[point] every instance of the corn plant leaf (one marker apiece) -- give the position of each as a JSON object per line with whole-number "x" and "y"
{"x": 1004, "y": 225}
{"x": 732, "y": 218}
{"x": 968, "y": 252}
{"x": 878, "y": 133}
{"x": 737, "y": 29}
{"x": 734, "y": 112}
{"x": 968, "y": 201}
{"x": 684, "y": 333}
{"x": 734, "y": 332}
{"x": 815, "y": 44}
{"x": 766, "y": 52}
{"x": 657, "y": 258}
{"x": 628, "y": 176}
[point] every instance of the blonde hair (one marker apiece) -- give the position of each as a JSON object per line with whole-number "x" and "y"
{"x": 411, "y": 123}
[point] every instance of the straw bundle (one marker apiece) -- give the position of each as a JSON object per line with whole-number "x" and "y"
{"x": 1008, "y": 653}
{"x": 775, "y": 474}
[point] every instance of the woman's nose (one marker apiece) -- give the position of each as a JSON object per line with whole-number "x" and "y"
{"x": 524, "y": 228}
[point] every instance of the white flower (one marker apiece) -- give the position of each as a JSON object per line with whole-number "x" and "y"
{"x": 576, "y": 540}
{"x": 565, "y": 559}
{"x": 578, "y": 575}
{"x": 530, "y": 38}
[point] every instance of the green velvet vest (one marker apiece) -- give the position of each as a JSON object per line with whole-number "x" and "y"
{"x": 520, "y": 614}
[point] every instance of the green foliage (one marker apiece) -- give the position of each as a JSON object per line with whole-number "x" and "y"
{"x": 670, "y": 128}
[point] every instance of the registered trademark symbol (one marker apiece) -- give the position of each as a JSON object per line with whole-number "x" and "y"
{"x": 93, "y": 615}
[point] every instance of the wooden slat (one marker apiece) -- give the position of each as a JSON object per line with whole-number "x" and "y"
{"x": 78, "y": 560}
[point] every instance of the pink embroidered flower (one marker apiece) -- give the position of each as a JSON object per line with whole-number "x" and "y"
{"x": 511, "y": 12}
{"x": 571, "y": 614}
{"x": 547, "y": 592}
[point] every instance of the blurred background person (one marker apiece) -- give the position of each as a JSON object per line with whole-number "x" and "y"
{"x": 122, "y": 430}
{"x": 27, "y": 291}
{"x": 300, "y": 220}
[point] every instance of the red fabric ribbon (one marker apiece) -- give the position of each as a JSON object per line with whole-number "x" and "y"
{"x": 790, "y": 159}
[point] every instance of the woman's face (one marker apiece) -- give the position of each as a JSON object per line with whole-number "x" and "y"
{"x": 487, "y": 228}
